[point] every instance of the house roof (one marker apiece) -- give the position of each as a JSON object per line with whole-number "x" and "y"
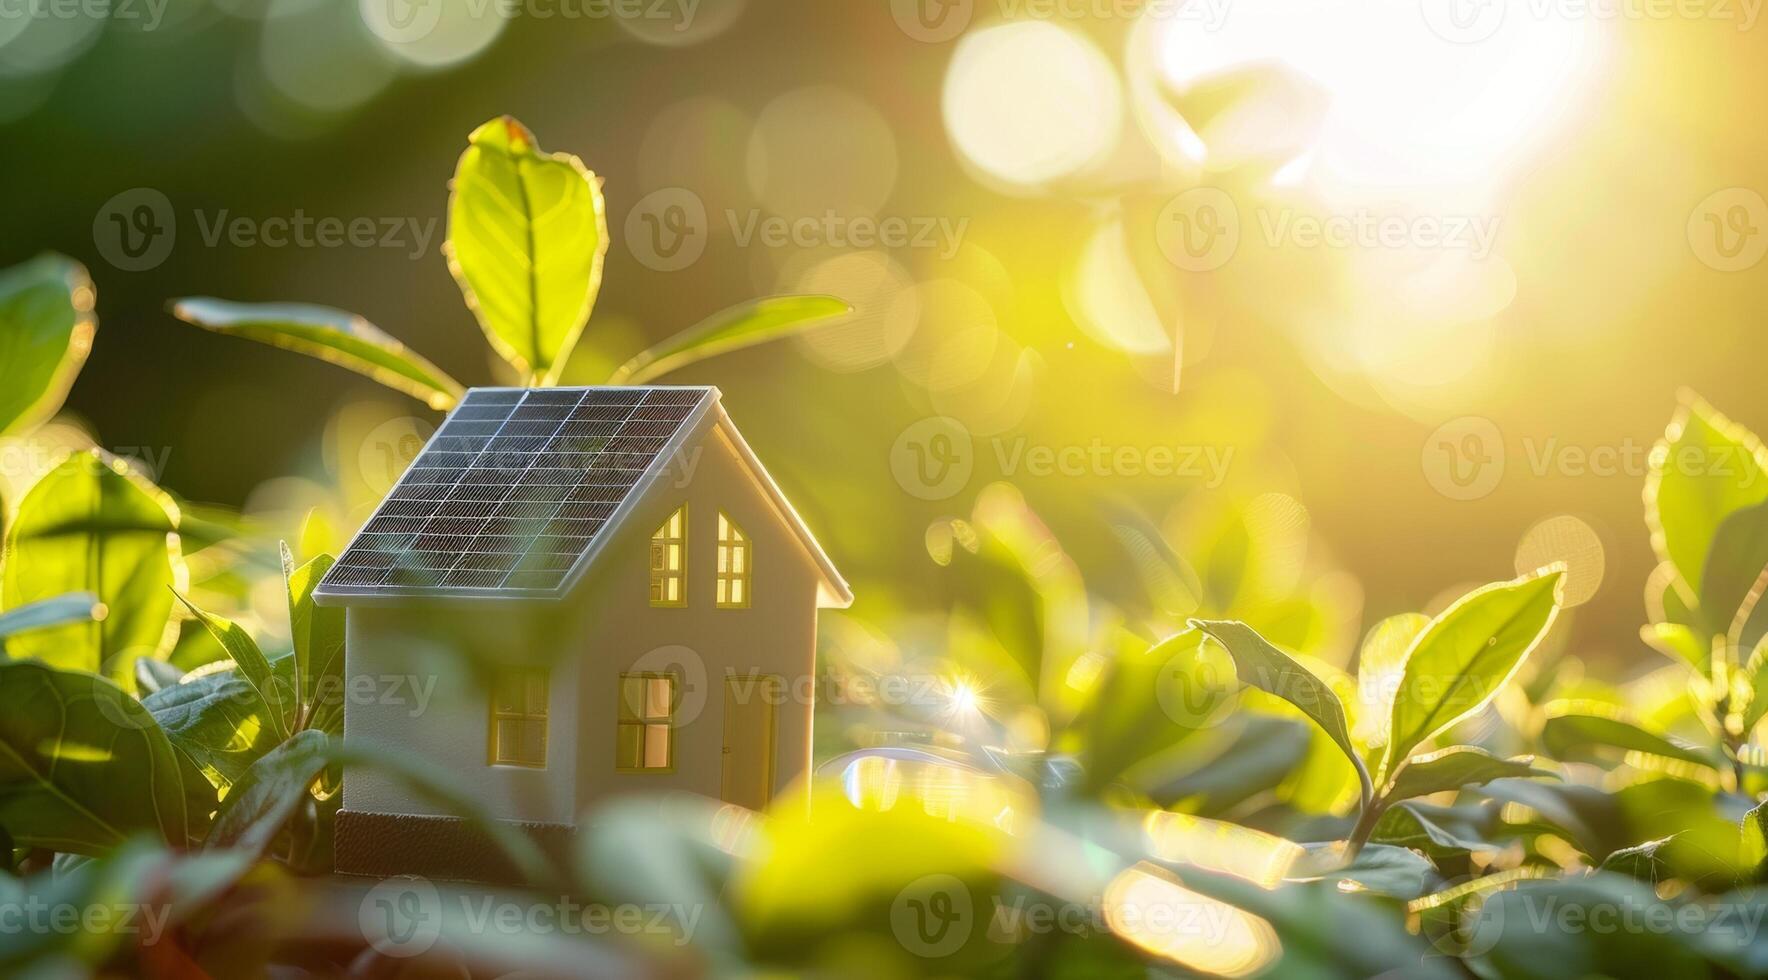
{"x": 520, "y": 488}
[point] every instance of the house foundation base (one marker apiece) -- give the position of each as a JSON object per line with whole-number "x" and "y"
{"x": 386, "y": 844}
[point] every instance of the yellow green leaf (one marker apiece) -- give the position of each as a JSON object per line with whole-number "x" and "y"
{"x": 526, "y": 236}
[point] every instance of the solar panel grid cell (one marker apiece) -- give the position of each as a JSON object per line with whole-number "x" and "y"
{"x": 512, "y": 490}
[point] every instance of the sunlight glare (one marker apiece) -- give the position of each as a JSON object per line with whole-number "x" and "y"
{"x": 1407, "y": 106}
{"x": 1147, "y": 908}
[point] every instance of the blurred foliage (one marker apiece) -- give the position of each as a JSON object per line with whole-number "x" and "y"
{"x": 1176, "y": 748}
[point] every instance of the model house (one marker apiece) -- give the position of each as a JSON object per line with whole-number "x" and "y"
{"x": 574, "y": 593}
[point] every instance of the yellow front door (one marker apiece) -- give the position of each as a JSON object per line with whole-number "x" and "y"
{"x": 750, "y": 706}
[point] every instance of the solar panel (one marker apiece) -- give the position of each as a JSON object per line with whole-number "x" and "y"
{"x": 511, "y": 491}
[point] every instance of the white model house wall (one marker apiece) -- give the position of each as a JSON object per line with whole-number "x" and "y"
{"x": 775, "y": 635}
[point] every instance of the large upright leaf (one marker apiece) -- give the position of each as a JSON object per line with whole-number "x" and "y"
{"x": 335, "y": 336}
{"x": 1466, "y": 654}
{"x": 1705, "y": 469}
{"x": 744, "y": 325}
{"x": 93, "y": 525}
{"x": 1271, "y": 670}
{"x": 526, "y": 236}
{"x": 82, "y": 764}
{"x": 318, "y": 636}
{"x": 46, "y": 328}
{"x": 279, "y": 702}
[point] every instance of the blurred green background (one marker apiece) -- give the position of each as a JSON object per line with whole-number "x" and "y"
{"x": 1058, "y": 140}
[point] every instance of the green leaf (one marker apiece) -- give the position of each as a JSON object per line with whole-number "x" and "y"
{"x": 1453, "y": 768}
{"x": 1263, "y": 753}
{"x": 1756, "y": 669}
{"x": 270, "y": 792}
{"x": 75, "y": 607}
{"x": 1150, "y": 699}
{"x": 46, "y": 328}
{"x": 254, "y": 667}
{"x": 1443, "y": 833}
{"x": 1578, "y": 731}
{"x": 216, "y": 720}
{"x": 526, "y": 237}
{"x": 1521, "y": 943}
{"x": 1271, "y": 670}
{"x": 1755, "y": 840}
{"x": 1640, "y": 861}
{"x": 334, "y": 336}
{"x": 1380, "y": 868}
{"x": 1680, "y": 643}
{"x": 1705, "y": 469}
{"x": 1467, "y": 654}
{"x": 153, "y": 675}
{"x": 92, "y": 525}
{"x": 82, "y": 764}
{"x": 744, "y": 325}
{"x": 317, "y": 632}
{"x": 1735, "y": 576}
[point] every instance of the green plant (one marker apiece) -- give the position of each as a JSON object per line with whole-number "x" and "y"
{"x": 527, "y": 234}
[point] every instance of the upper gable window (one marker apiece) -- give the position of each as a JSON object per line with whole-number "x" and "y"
{"x": 733, "y": 565}
{"x": 669, "y": 545}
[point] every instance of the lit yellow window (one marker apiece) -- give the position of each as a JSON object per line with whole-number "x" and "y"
{"x": 518, "y": 718}
{"x": 669, "y": 546}
{"x": 733, "y": 565}
{"x": 645, "y": 741}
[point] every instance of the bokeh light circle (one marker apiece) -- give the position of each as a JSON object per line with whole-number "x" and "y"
{"x": 821, "y": 149}
{"x": 885, "y": 310}
{"x": 1030, "y": 102}
{"x": 1567, "y": 539}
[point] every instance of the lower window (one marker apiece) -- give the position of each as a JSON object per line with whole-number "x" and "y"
{"x": 645, "y": 735}
{"x": 518, "y": 718}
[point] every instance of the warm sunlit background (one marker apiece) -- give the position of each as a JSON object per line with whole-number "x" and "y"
{"x": 1396, "y": 281}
